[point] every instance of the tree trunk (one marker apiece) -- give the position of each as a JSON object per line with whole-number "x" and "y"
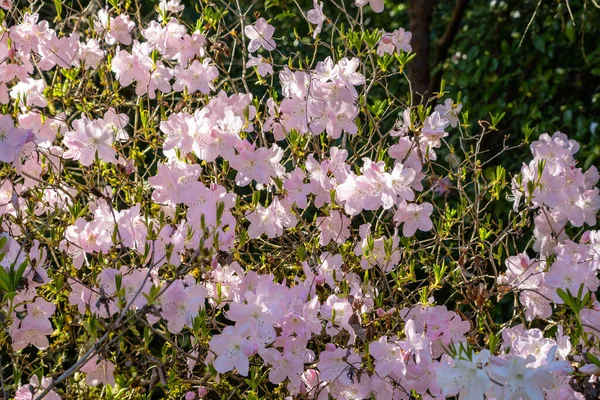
{"x": 420, "y": 13}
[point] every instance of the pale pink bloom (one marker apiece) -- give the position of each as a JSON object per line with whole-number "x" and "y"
{"x": 378, "y": 256}
{"x": 91, "y": 53}
{"x": 173, "y": 6}
{"x": 401, "y": 39}
{"x": 260, "y": 35}
{"x": 389, "y": 357}
{"x": 88, "y": 139}
{"x": 261, "y": 221}
{"x": 414, "y": 216}
{"x": 263, "y": 66}
{"x": 434, "y": 127}
{"x": 159, "y": 79}
{"x": 315, "y": 387}
{"x": 40, "y": 311}
{"x": 293, "y": 114}
{"x": 296, "y": 189}
{"x": 400, "y": 181}
{"x": 376, "y": 5}
{"x": 259, "y": 312}
{"x": 202, "y": 203}
{"x": 272, "y": 122}
{"x": 12, "y": 139}
{"x": 61, "y": 51}
{"x": 334, "y": 365}
{"x": 337, "y": 312}
{"x": 558, "y": 146}
{"x": 353, "y": 193}
{"x": 120, "y": 28}
{"x": 99, "y": 372}
{"x": 28, "y": 34}
{"x": 116, "y": 122}
{"x": 7, "y": 5}
{"x": 197, "y": 77}
{"x": 395, "y": 42}
{"x": 316, "y": 17}
{"x": 133, "y": 281}
{"x": 33, "y": 389}
{"x": 232, "y": 348}
{"x": 465, "y": 377}
{"x": 304, "y": 322}
{"x": 32, "y": 331}
{"x": 420, "y": 377}
{"x": 346, "y": 70}
{"x": 171, "y": 181}
{"x": 337, "y": 164}
{"x": 340, "y": 118}
{"x": 30, "y": 92}
{"x": 181, "y": 303}
{"x": 294, "y": 84}
{"x": 212, "y": 138}
{"x": 518, "y": 380}
{"x": 289, "y": 363}
{"x": 333, "y": 227}
{"x": 260, "y": 164}
{"x": 134, "y": 67}
{"x": 449, "y": 111}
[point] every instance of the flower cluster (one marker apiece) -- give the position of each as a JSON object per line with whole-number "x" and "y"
{"x": 169, "y": 219}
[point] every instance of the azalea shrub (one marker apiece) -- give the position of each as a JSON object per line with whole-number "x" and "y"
{"x": 197, "y": 201}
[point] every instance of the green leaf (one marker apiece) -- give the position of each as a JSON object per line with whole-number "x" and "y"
{"x": 58, "y": 6}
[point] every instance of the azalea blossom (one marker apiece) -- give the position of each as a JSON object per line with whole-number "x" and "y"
{"x": 376, "y": 5}
{"x": 260, "y": 35}
{"x": 414, "y": 216}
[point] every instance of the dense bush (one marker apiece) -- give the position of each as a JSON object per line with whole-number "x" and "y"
{"x": 196, "y": 202}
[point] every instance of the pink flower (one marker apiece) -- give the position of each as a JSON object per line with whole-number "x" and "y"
{"x": 232, "y": 348}
{"x": 449, "y": 111}
{"x": 88, "y": 139}
{"x": 337, "y": 312}
{"x": 384, "y": 253}
{"x": 6, "y": 5}
{"x": 260, "y": 35}
{"x": 197, "y": 77}
{"x": 12, "y": 139}
{"x": 99, "y": 372}
{"x": 120, "y": 28}
{"x": 397, "y": 41}
{"x": 289, "y": 363}
{"x": 334, "y": 365}
{"x": 173, "y": 6}
{"x": 517, "y": 379}
{"x": 172, "y": 180}
{"x": 33, "y": 389}
{"x": 181, "y": 303}
{"x": 353, "y": 193}
{"x": 333, "y": 227}
{"x": 263, "y": 66}
{"x": 434, "y": 127}
{"x": 414, "y": 216}
{"x": 91, "y": 53}
{"x": 134, "y": 67}
{"x": 30, "y": 92}
{"x": 465, "y": 377}
{"x": 31, "y": 331}
{"x": 389, "y": 357}
{"x": 316, "y": 17}
{"x": 376, "y": 5}
{"x": 261, "y": 222}
{"x": 296, "y": 189}
{"x": 159, "y": 79}
{"x": 259, "y": 164}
